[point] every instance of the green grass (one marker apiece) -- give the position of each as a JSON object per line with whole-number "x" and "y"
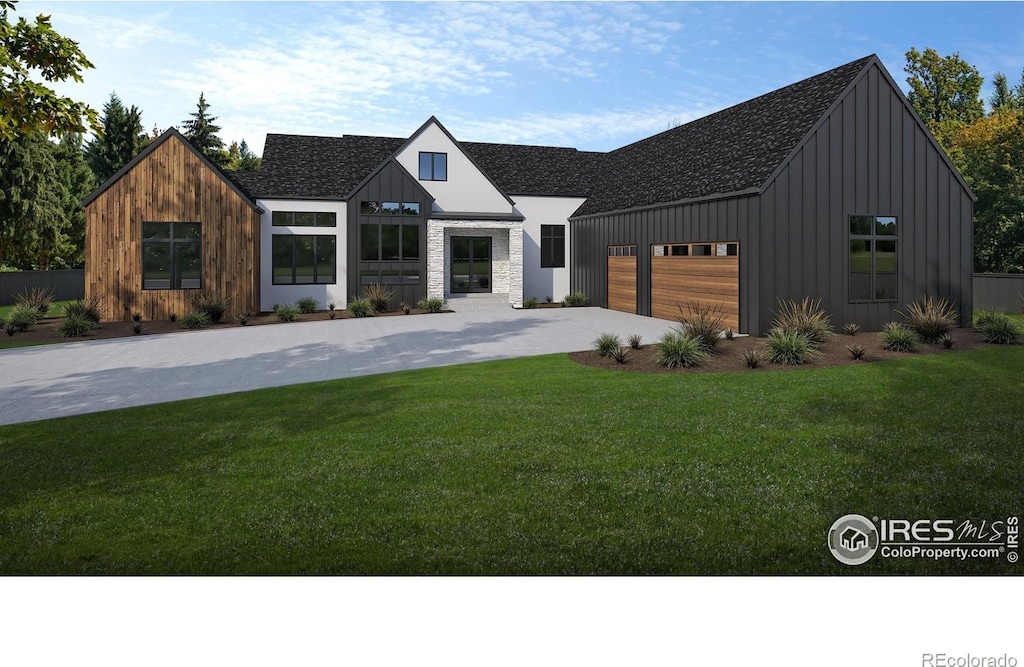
{"x": 504, "y": 467}
{"x": 56, "y": 309}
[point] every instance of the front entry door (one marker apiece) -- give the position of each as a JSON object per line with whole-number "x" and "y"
{"x": 471, "y": 264}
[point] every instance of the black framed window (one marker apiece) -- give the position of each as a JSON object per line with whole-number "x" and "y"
{"x": 172, "y": 255}
{"x": 389, "y": 208}
{"x": 552, "y": 246}
{"x": 303, "y": 259}
{"x": 304, "y": 219}
{"x": 433, "y": 166}
{"x": 873, "y": 258}
{"x": 389, "y": 242}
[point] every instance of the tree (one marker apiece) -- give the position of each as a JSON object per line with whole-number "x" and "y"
{"x": 30, "y": 214}
{"x": 202, "y": 133}
{"x": 1001, "y": 96}
{"x": 76, "y": 181}
{"x": 944, "y": 91}
{"x": 241, "y": 158}
{"x": 36, "y": 49}
{"x": 120, "y": 140}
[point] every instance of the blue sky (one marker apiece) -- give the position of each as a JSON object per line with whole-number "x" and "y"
{"x": 591, "y": 75}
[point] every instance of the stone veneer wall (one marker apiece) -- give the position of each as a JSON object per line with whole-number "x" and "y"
{"x": 506, "y": 251}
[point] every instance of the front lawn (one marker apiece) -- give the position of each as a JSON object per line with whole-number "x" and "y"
{"x": 534, "y": 465}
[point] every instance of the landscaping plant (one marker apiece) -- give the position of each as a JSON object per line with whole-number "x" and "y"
{"x": 531, "y": 303}
{"x": 857, "y": 351}
{"x": 136, "y": 327}
{"x": 243, "y": 317}
{"x": 805, "y": 318}
{"x": 789, "y": 347}
{"x": 432, "y": 305}
{"x": 89, "y": 309}
{"x": 635, "y": 340}
{"x": 360, "y": 307}
{"x": 173, "y": 318}
{"x": 214, "y": 305}
{"x": 136, "y": 317}
{"x": 75, "y": 326}
{"x": 286, "y": 313}
{"x": 677, "y": 350}
{"x": 575, "y": 300}
{"x": 405, "y": 308}
{"x": 851, "y": 328}
{"x": 620, "y": 355}
{"x": 931, "y": 319}
{"x": 379, "y": 297}
{"x": 196, "y": 319}
{"x": 947, "y": 341}
{"x": 753, "y": 357}
{"x": 39, "y": 299}
{"x": 702, "y": 323}
{"x": 307, "y": 305}
{"x": 607, "y": 344}
{"x": 21, "y": 317}
{"x": 898, "y": 338}
{"x": 998, "y": 328}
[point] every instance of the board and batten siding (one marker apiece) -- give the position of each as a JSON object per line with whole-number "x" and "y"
{"x": 707, "y": 221}
{"x": 170, "y": 184}
{"x": 869, "y": 156}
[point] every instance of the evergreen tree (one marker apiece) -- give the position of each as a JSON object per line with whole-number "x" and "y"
{"x": 1001, "y": 96}
{"x": 247, "y": 160}
{"x": 76, "y": 181}
{"x": 30, "y": 210}
{"x": 121, "y": 139}
{"x": 201, "y": 132}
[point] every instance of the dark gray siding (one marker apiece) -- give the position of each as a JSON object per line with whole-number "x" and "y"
{"x": 66, "y": 284}
{"x": 868, "y": 157}
{"x": 730, "y": 219}
{"x": 992, "y": 291}
{"x": 393, "y": 184}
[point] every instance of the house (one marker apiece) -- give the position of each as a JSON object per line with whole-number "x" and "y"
{"x": 830, "y": 188}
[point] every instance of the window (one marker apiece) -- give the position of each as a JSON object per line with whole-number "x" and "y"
{"x": 304, "y": 219}
{"x": 303, "y": 260}
{"x": 622, "y": 251}
{"x": 552, "y": 246}
{"x": 873, "y": 241}
{"x": 389, "y": 208}
{"x": 172, "y": 255}
{"x": 433, "y": 166}
{"x": 389, "y": 242}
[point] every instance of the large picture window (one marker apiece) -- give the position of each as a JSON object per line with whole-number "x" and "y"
{"x": 873, "y": 258}
{"x": 303, "y": 259}
{"x": 552, "y": 246}
{"x": 172, "y": 255}
{"x": 389, "y": 242}
{"x": 433, "y": 166}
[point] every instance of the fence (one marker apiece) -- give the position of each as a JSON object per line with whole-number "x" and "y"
{"x": 68, "y": 284}
{"x": 998, "y": 291}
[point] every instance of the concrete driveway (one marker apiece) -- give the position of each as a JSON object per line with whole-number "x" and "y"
{"x": 73, "y": 378}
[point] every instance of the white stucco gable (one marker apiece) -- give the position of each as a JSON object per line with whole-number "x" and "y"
{"x": 465, "y": 188}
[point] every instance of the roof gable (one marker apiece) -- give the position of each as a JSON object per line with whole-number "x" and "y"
{"x": 169, "y": 134}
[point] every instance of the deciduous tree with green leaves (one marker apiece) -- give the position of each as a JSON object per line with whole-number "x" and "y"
{"x": 31, "y": 51}
{"x": 944, "y": 91}
{"x": 120, "y": 139}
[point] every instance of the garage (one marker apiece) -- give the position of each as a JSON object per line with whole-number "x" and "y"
{"x": 705, "y": 273}
{"x": 622, "y": 278}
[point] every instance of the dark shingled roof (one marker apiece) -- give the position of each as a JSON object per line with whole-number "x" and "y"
{"x": 732, "y": 150}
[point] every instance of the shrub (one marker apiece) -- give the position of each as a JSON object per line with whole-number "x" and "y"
{"x": 307, "y": 304}
{"x": 405, "y": 308}
{"x": 286, "y": 313}
{"x": 331, "y": 306}
{"x": 753, "y": 357}
{"x": 136, "y": 326}
{"x": 87, "y": 308}
{"x": 196, "y": 319}
{"x": 635, "y": 340}
{"x": 851, "y": 329}
{"x": 211, "y": 303}
{"x": 947, "y": 341}
{"x": 898, "y": 338}
{"x": 10, "y": 329}
{"x": 38, "y": 299}
{"x": 999, "y": 328}
{"x": 136, "y": 317}
{"x": 805, "y": 318}
{"x": 606, "y": 344}
{"x": 677, "y": 350}
{"x": 857, "y": 351}
{"x": 729, "y": 334}
{"x": 620, "y": 355}
{"x": 21, "y": 317}
{"x": 548, "y": 299}
{"x": 360, "y": 307}
{"x": 931, "y": 319}
{"x": 75, "y": 326}
{"x": 331, "y": 314}
{"x": 789, "y": 347}
{"x": 702, "y": 323}
{"x": 983, "y": 317}
{"x": 379, "y": 297}
{"x": 531, "y": 303}
{"x": 432, "y": 305}
{"x": 243, "y": 317}
{"x": 173, "y": 318}
{"x": 575, "y": 300}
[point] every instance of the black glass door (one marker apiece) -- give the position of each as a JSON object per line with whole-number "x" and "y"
{"x": 471, "y": 264}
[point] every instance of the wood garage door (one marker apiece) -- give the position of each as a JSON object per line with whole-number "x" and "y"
{"x": 622, "y": 278}
{"x": 707, "y": 273}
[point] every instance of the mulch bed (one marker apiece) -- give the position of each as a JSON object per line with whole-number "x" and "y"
{"x": 46, "y": 330}
{"x": 728, "y": 354}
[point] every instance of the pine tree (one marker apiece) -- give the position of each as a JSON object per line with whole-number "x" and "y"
{"x": 30, "y": 215}
{"x": 121, "y": 140}
{"x": 76, "y": 181}
{"x": 247, "y": 160}
{"x": 1001, "y": 96}
{"x": 201, "y": 132}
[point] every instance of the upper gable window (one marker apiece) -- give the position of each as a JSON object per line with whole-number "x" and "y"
{"x": 433, "y": 166}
